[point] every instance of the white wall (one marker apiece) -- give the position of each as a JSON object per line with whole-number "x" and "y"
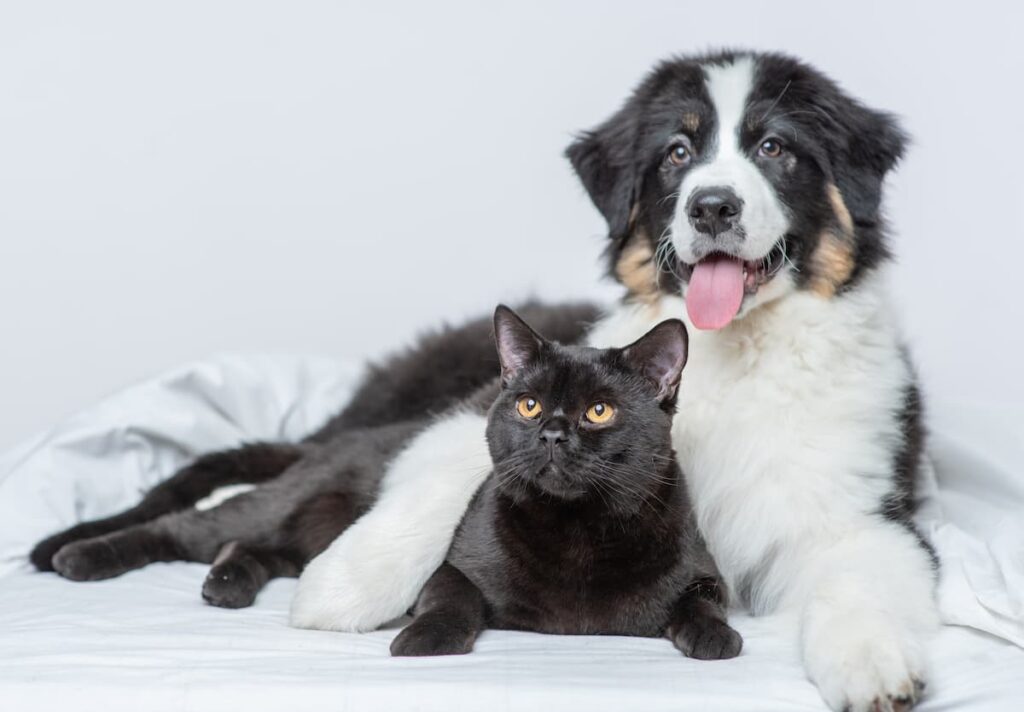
{"x": 183, "y": 178}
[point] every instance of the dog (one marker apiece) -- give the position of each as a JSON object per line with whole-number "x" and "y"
{"x": 742, "y": 193}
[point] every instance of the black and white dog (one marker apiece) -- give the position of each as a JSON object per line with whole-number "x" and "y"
{"x": 742, "y": 194}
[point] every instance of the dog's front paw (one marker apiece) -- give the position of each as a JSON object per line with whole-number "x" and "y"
{"x": 707, "y": 639}
{"x": 432, "y": 637}
{"x": 880, "y": 673}
{"x": 88, "y": 560}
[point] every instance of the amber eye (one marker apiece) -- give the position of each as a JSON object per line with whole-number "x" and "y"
{"x": 600, "y": 413}
{"x": 770, "y": 148}
{"x": 678, "y": 155}
{"x": 528, "y": 407}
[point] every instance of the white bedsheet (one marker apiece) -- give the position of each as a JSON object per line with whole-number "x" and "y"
{"x": 145, "y": 641}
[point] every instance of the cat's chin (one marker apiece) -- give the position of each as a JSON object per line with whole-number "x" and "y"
{"x": 553, "y": 481}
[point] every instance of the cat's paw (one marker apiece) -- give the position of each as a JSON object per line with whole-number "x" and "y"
{"x": 422, "y": 638}
{"x": 42, "y": 554}
{"x": 230, "y": 585}
{"x": 707, "y": 639}
{"x": 858, "y": 674}
{"x": 88, "y": 560}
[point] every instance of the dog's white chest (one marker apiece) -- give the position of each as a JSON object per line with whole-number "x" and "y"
{"x": 786, "y": 429}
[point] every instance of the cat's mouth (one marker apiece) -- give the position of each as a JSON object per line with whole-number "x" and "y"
{"x": 553, "y": 479}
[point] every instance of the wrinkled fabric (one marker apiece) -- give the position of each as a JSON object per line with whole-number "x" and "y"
{"x": 146, "y": 640}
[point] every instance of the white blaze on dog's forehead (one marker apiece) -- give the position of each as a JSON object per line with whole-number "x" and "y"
{"x": 763, "y": 220}
{"x": 729, "y": 86}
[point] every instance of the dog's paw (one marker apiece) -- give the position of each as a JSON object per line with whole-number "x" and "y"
{"x": 878, "y": 675}
{"x": 88, "y": 560}
{"x": 423, "y": 637}
{"x": 230, "y": 585}
{"x": 707, "y": 639}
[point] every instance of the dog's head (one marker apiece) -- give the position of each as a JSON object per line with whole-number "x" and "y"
{"x": 736, "y": 178}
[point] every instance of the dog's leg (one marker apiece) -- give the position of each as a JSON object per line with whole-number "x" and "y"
{"x": 867, "y": 614}
{"x": 450, "y": 614}
{"x": 374, "y": 570}
{"x": 253, "y": 463}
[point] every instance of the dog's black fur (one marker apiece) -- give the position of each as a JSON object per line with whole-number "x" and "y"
{"x": 583, "y": 526}
{"x": 835, "y": 139}
{"x": 838, "y": 152}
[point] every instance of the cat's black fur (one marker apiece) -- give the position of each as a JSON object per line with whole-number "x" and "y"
{"x": 583, "y": 526}
{"x": 307, "y": 493}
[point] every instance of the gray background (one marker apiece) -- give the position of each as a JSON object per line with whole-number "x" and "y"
{"x": 178, "y": 179}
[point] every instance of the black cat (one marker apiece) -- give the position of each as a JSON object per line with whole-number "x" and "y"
{"x": 306, "y": 493}
{"x": 584, "y": 525}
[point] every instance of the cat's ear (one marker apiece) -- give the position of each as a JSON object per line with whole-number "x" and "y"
{"x": 518, "y": 344}
{"x": 660, "y": 355}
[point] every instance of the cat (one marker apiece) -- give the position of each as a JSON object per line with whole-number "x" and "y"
{"x": 305, "y": 494}
{"x": 584, "y": 525}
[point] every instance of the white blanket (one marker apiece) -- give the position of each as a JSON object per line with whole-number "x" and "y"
{"x": 146, "y": 641}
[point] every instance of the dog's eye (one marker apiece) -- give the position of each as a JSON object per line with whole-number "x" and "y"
{"x": 528, "y": 407}
{"x": 600, "y": 413}
{"x": 770, "y": 148}
{"x": 678, "y": 155}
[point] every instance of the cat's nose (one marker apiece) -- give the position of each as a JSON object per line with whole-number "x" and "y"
{"x": 553, "y": 434}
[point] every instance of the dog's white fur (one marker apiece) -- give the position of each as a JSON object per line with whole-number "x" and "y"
{"x": 374, "y": 572}
{"x": 763, "y": 219}
{"x": 787, "y": 430}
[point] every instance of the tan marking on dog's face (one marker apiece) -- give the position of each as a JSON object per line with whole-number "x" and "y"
{"x": 840, "y": 209}
{"x": 635, "y": 269}
{"x": 691, "y": 121}
{"x": 832, "y": 260}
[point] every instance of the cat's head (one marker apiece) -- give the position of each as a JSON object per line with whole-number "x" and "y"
{"x": 575, "y": 422}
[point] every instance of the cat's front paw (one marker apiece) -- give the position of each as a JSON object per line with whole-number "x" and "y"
{"x": 705, "y": 638}
{"x": 422, "y": 638}
{"x": 88, "y": 560}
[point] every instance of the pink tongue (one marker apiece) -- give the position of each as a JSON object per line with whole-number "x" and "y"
{"x": 715, "y": 292}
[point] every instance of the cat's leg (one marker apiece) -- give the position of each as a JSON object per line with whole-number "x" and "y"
{"x": 449, "y": 616}
{"x": 240, "y": 571}
{"x": 113, "y": 554}
{"x": 254, "y": 463}
{"x": 352, "y": 585}
{"x": 186, "y": 535}
{"x": 698, "y": 624}
{"x": 867, "y": 613}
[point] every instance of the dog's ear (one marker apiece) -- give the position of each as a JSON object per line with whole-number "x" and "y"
{"x": 605, "y": 160}
{"x": 872, "y": 143}
{"x": 518, "y": 344}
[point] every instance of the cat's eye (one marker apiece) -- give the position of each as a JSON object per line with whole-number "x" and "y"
{"x": 600, "y": 413}
{"x": 528, "y": 407}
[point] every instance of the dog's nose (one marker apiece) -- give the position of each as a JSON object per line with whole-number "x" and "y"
{"x": 714, "y": 210}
